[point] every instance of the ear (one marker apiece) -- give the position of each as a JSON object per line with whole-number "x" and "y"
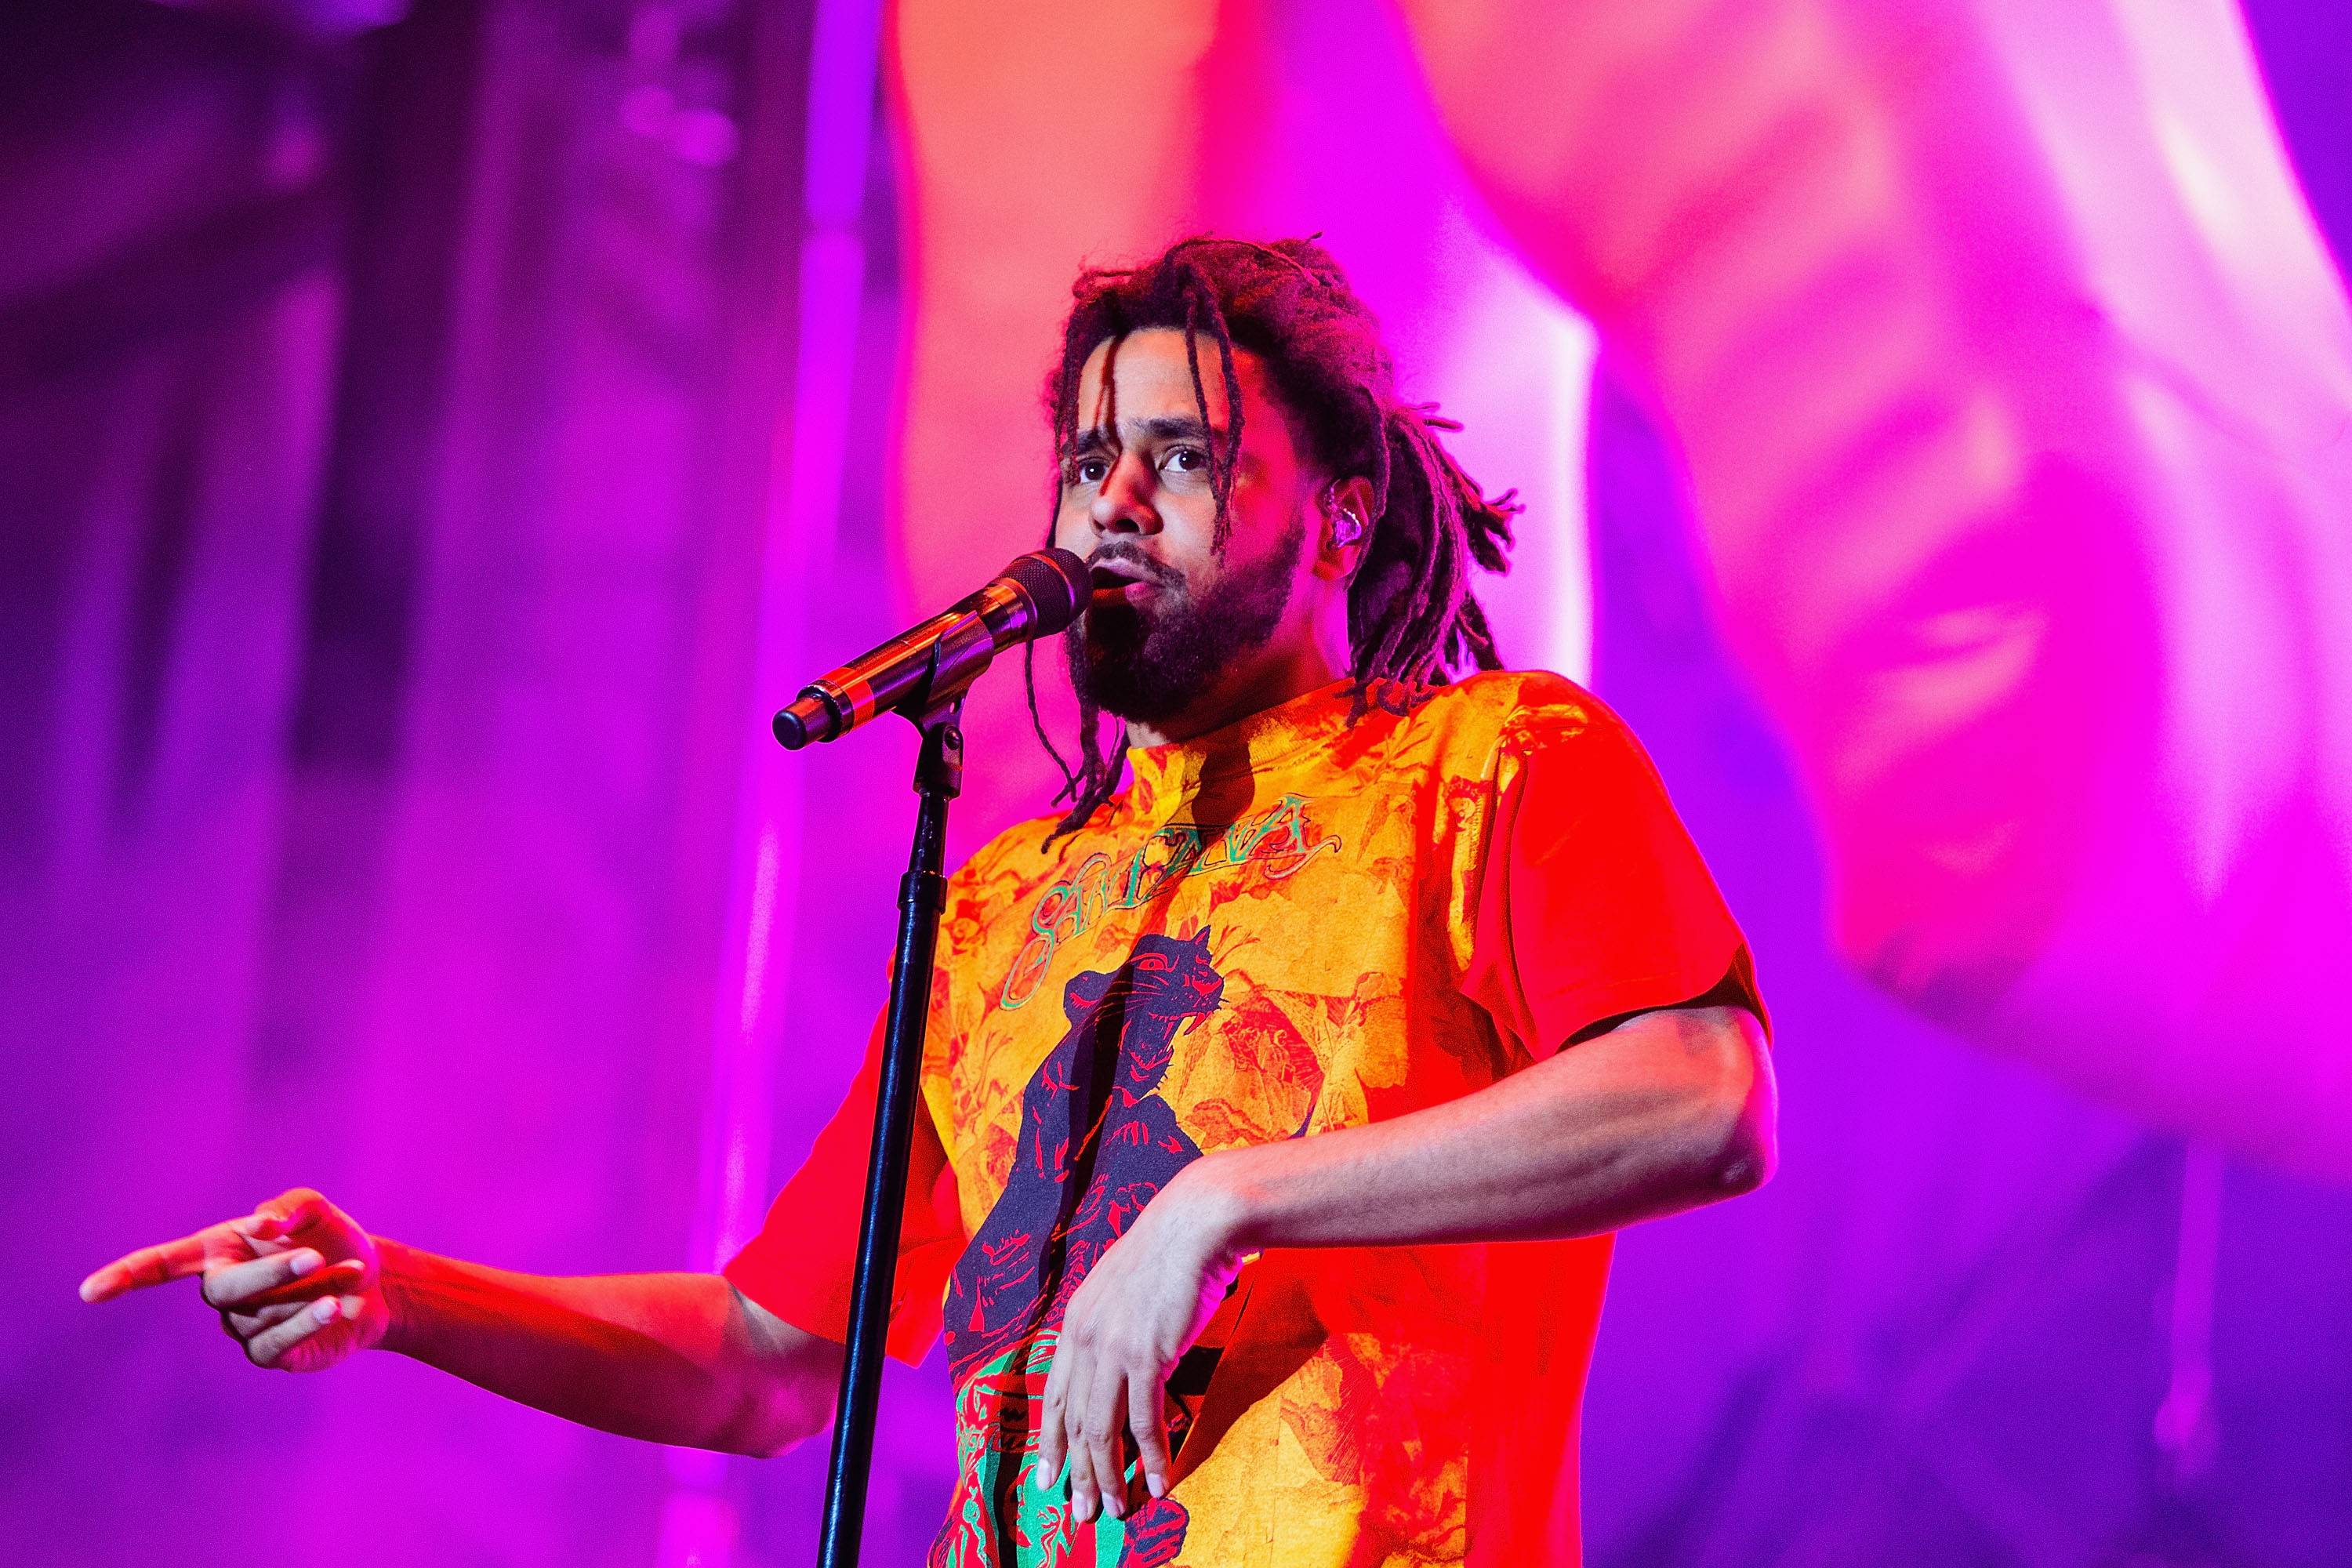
{"x": 1345, "y": 515}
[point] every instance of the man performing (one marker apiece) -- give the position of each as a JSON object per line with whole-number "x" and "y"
{"x": 1279, "y": 1104}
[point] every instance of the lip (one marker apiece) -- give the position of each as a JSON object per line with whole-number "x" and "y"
{"x": 1133, "y": 591}
{"x": 1117, "y": 582}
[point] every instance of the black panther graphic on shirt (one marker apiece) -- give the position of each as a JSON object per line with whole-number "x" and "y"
{"x": 1097, "y": 1143}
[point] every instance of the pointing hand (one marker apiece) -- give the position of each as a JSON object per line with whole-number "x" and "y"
{"x": 296, "y": 1282}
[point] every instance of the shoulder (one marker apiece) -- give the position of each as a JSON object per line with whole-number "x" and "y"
{"x": 1475, "y": 725}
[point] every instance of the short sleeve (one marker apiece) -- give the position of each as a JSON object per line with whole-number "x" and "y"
{"x": 1589, "y": 901}
{"x": 802, "y": 1264}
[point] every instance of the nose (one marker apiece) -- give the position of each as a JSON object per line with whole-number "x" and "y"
{"x": 1123, "y": 502}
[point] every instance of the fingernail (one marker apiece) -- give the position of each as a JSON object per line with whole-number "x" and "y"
{"x": 1083, "y": 1509}
{"x": 303, "y": 1262}
{"x": 1155, "y": 1486}
{"x": 326, "y": 1308}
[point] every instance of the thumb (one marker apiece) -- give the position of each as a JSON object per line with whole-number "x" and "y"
{"x": 286, "y": 1214}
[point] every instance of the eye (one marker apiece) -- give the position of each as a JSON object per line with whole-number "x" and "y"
{"x": 1185, "y": 461}
{"x": 1089, "y": 471}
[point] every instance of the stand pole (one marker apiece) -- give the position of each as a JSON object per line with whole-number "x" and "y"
{"x": 938, "y": 779}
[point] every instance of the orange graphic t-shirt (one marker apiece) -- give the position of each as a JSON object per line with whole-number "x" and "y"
{"x": 1300, "y": 922}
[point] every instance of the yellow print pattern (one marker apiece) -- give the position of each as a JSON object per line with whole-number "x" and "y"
{"x": 1276, "y": 842}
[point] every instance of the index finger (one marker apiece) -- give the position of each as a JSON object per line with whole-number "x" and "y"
{"x": 158, "y": 1265}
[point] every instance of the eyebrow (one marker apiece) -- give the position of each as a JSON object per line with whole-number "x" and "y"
{"x": 1159, "y": 428}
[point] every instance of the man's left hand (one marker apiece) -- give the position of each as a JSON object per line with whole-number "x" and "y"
{"x": 1145, "y": 1302}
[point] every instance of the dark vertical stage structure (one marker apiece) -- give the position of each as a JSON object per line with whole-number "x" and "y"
{"x": 390, "y": 460}
{"x": 410, "y": 165}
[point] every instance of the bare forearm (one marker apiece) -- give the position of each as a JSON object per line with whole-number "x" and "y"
{"x": 673, "y": 1358}
{"x": 1672, "y": 1110}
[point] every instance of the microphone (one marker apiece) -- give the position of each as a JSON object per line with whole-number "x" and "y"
{"x": 919, "y": 669}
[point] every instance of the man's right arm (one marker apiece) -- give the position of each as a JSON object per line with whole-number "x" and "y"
{"x": 671, "y": 1358}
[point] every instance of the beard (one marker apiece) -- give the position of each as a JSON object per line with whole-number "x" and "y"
{"x": 1151, "y": 664}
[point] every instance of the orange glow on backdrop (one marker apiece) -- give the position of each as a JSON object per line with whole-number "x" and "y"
{"x": 2026, "y": 504}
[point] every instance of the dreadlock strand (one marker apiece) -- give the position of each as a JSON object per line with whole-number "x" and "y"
{"x": 1200, "y": 302}
{"x": 1234, "y": 416}
{"x": 1038, "y": 724}
{"x": 1477, "y": 636}
{"x": 1200, "y": 406}
{"x": 1437, "y": 593}
{"x": 1413, "y": 647}
{"x": 1383, "y": 468}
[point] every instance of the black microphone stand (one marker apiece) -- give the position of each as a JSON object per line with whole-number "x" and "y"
{"x": 938, "y": 779}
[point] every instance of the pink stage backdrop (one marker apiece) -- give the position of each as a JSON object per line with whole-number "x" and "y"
{"x": 2009, "y": 373}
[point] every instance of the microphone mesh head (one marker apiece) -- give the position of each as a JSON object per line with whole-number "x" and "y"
{"x": 1056, "y": 583}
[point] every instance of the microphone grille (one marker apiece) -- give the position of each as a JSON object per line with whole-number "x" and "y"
{"x": 1057, "y": 582}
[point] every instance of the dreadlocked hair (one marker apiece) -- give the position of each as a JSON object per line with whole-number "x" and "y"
{"x": 1412, "y": 622}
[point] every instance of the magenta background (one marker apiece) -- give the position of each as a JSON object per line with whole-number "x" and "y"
{"x": 384, "y": 461}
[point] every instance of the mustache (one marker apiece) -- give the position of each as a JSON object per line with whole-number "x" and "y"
{"x": 1133, "y": 555}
